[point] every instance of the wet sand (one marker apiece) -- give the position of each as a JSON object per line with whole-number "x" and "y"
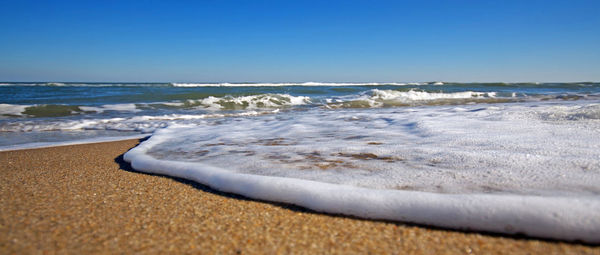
{"x": 85, "y": 199}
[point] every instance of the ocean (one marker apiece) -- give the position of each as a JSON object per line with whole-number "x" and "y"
{"x": 499, "y": 157}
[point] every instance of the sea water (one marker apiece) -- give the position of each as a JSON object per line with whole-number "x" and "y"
{"x": 500, "y": 157}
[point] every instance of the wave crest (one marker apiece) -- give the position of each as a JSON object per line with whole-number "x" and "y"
{"x": 390, "y": 98}
{"x": 249, "y": 102}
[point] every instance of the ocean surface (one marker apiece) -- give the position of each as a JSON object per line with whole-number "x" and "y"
{"x": 499, "y": 157}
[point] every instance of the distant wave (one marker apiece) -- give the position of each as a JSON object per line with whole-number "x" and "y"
{"x": 293, "y": 84}
{"x": 222, "y": 84}
{"x": 285, "y": 84}
{"x": 213, "y": 103}
{"x": 373, "y": 98}
{"x": 389, "y": 98}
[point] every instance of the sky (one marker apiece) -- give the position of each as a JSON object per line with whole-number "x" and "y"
{"x": 299, "y": 41}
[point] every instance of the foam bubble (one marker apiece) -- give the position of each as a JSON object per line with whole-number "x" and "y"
{"x": 467, "y": 167}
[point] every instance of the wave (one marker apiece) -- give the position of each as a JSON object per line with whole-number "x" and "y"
{"x": 374, "y": 98}
{"x": 377, "y": 98}
{"x": 415, "y": 95}
{"x": 60, "y": 110}
{"x": 12, "y": 109}
{"x": 389, "y": 98}
{"x": 467, "y": 167}
{"x": 111, "y": 107}
{"x": 559, "y": 113}
{"x": 250, "y": 102}
{"x": 140, "y": 123}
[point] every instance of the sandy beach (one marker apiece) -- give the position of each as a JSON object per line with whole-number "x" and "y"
{"x": 86, "y": 199}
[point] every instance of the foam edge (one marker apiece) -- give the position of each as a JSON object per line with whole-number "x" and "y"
{"x": 562, "y": 218}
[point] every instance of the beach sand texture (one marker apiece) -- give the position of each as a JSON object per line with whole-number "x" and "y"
{"x": 85, "y": 199}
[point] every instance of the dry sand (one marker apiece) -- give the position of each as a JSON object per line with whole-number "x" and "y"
{"x": 85, "y": 199}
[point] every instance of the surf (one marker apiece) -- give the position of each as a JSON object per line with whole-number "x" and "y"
{"x": 496, "y": 168}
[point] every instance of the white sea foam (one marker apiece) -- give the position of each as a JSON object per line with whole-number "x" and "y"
{"x": 559, "y": 113}
{"x": 505, "y": 168}
{"x": 12, "y": 109}
{"x": 380, "y": 98}
{"x": 414, "y": 95}
{"x": 111, "y": 107}
{"x": 250, "y": 102}
{"x": 18, "y": 110}
{"x": 140, "y": 123}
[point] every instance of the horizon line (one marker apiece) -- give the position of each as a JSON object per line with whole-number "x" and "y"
{"x": 299, "y": 82}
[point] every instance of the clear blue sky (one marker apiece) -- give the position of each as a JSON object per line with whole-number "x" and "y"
{"x": 235, "y": 41}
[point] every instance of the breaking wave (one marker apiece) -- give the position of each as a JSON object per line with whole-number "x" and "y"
{"x": 389, "y": 98}
{"x": 250, "y": 102}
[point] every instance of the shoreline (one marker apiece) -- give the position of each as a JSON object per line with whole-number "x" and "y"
{"x": 42, "y": 145}
{"x": 85, "y": 198}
